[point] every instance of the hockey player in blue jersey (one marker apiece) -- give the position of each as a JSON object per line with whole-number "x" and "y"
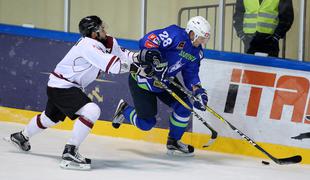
{"x": 164, "y": 53}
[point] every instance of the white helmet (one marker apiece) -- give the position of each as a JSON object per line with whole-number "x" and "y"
{"x": 200, "y": 26}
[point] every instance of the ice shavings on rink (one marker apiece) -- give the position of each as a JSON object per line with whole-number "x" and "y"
{"x": 116, "y": 158}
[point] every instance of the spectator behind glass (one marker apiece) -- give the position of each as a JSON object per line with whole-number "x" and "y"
{"x": 261, "y": 23}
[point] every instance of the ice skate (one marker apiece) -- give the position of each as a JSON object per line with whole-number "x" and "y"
{"x": 19, "y": 140}
{"x": 118, "y": 117}
{"x": 177, "y": 148}
{"x": 71, "y": 159}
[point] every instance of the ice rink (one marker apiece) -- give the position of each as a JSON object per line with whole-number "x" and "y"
{"x": 115, "y": 158}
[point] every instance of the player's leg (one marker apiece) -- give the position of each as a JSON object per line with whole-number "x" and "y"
{"x": 142, "y": 115}
{"x": 88, "y": 115}
{"x": 48, "y": 118}
{"x": 178, "y": 121}
{"x": 75, "y": 104}
{"x": 72, "y": 159}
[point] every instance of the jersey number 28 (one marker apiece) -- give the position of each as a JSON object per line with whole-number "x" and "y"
{"x": 165, "y": 38}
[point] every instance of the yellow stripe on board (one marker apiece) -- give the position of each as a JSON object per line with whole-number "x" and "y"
{"x": 156, "y": 135}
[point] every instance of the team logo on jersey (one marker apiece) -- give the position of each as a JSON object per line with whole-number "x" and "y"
{"x": 149, "y": 44}
{"x": 154, "y": 39}
{"x": 176, "y": 66}
{"x": 187, "y": 56}
{"x": 181, "y": 45}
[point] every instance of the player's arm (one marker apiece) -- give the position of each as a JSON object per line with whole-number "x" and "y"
{"x": 190, "y": 75}
{"x": 126, "y": 57}
{"x": 192, "y": 82}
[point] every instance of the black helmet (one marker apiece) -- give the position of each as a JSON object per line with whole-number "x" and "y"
{"x": 89, "y": 24}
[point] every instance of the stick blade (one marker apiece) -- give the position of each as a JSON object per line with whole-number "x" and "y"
{"x": 213, "y": 138}
{"x": 290, "y": 160}
{"x": 211, "y": 141}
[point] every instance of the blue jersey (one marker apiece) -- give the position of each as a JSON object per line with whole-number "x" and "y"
{"x": 176, "y": 47}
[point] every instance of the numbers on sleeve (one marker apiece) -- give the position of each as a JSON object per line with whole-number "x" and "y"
{"x": 165, "y": 38}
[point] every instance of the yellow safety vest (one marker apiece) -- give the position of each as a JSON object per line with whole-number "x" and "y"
{"x": 262, "y": 17}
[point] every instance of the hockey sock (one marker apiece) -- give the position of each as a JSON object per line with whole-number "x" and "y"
{"x": 37, "y": 124}
{"x": 178, "y": 126}
{"x": 81, "y": 129}
{"x": 130, "y": 115}
{"x": 89, "y": 114}
{"x": 143, "y": 124}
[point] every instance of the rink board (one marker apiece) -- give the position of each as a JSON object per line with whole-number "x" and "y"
{"x": 259, "y": 100}
{"x": 270, "y": 108}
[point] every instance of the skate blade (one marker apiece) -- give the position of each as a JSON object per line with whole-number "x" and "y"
{"x": 8, "y": 140}
{"x": 179, "y": 154}
{"x": 74, "y": 166}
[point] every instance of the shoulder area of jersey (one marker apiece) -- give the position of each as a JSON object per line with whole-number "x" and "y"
{"x": 178, "y": 32}
{"x": 176, "y": 29}
{"x": 87, "y": 42}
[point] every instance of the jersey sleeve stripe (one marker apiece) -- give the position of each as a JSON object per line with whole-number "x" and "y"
{"x": 111, "y": 62}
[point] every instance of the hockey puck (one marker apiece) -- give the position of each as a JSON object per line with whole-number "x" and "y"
{"x": 265, "y": 162}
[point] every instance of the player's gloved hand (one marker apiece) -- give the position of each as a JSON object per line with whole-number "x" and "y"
{"x": 201, "y": 99}
{"x": 151, "y": 64}
{"x": 161, "y": 73}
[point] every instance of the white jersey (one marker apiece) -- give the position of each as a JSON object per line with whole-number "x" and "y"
{"x": 86, "y": 59}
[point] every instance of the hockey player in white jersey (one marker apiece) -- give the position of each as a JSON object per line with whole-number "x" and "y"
{"x": 93, "y": 53}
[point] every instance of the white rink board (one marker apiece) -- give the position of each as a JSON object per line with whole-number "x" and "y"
{"x": 216, "y": 77}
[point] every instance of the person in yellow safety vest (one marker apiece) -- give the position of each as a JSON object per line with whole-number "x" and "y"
{"x": 261, "y": 23}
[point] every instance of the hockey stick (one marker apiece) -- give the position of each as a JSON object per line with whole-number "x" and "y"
{"x": 181, "y": 101}
{"x": 281, "y": 161}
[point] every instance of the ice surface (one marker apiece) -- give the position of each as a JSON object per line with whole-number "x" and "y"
{"x": 116, "y": 158}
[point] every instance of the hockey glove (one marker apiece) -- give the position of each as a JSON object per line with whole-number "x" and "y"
{"x": 150, "y": 63}
{"x": 201, "y": 99}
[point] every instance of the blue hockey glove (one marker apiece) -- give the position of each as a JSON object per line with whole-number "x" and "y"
{"x": 201, "y": 99}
